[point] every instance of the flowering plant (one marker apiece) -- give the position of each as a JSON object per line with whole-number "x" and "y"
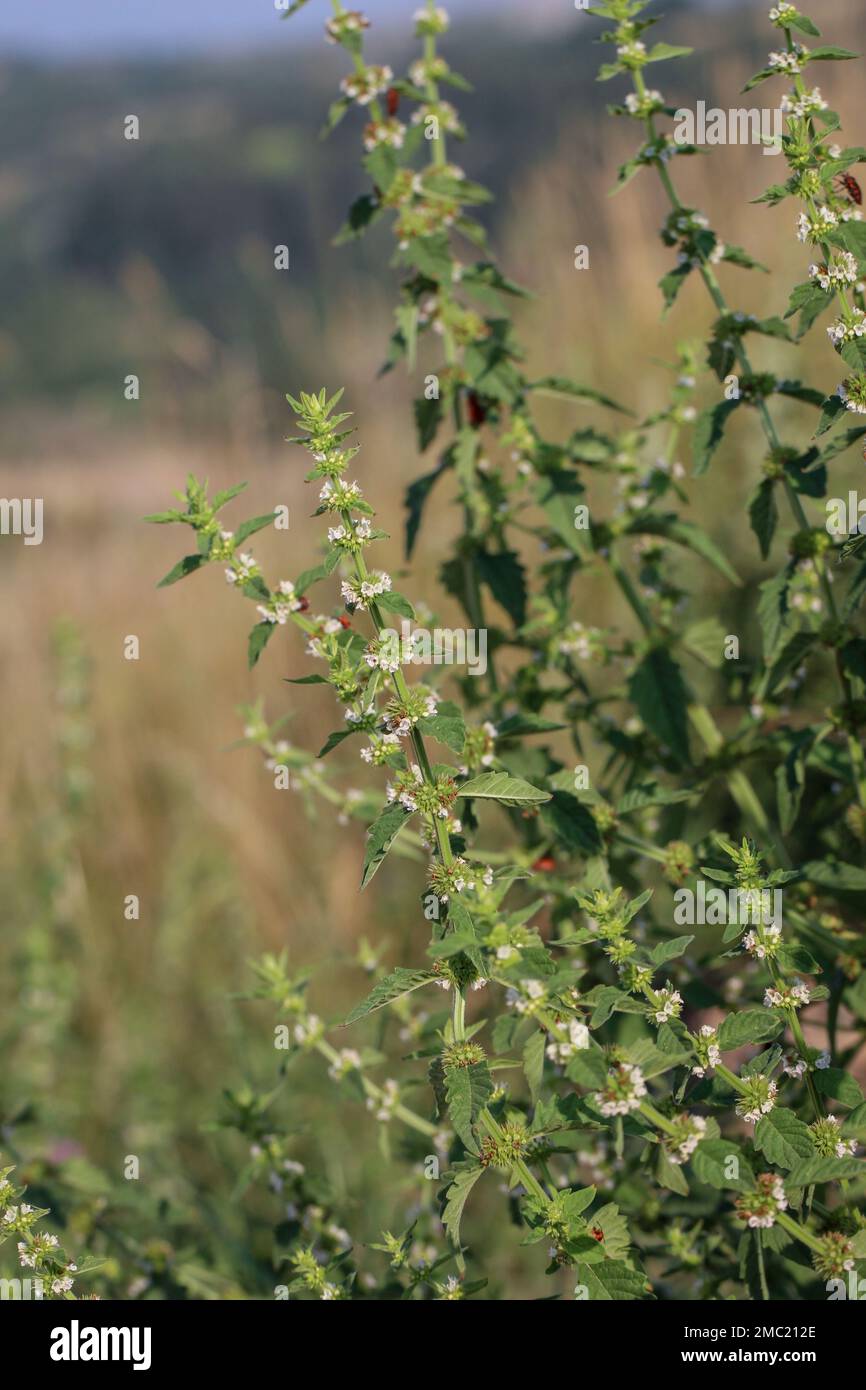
{"x": 666, "y": 1119}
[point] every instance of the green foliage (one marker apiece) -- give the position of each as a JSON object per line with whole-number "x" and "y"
{"x": 678, "y": 1061}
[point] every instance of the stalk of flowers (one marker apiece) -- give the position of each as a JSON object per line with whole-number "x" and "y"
{"x": 701, "y": 249}
{"x": 492, "y": 414}
{"x": 40, "y": 1254}
{"x": 308, "y": 1033}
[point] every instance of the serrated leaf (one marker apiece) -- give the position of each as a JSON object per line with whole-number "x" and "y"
{"x": 446, "y": 726}
{"x": 533, "y": 1062}
{"x": 462, "y": 1183}
{"x": 817, "y": 1169}
{"x": 467, "y": 1090}
{"x": 834, "y": 1082}
{"x": 708, "y": 432}
{"x": 382, "y": 834}
{"x": 750, "y": 1026}
{"x": 782, "y": 1138}
{"x": 712, "y": 1159}
{"x": 669, "y": 950}
{"x": 500, "y": 786}
{"x": 258, "y": 639}
{"x": 658, "y": 690}
{"x": 188, "y": 565}
{"x": 649, "y": 794}
{"x": 764, "y": 514}
{"x": 686, "y": 533}
{"x": 393, "y": 602}
{"x": 572, "y": 823}
{"x": 612, "y": 1281}
{"x": 385, "y": 991}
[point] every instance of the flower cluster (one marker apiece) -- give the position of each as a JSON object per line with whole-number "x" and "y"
{"x": 624, "y": 1090}
{"x": 761, "y": 1207}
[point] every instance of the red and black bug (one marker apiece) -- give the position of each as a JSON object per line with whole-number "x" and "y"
{"x": 475, "y": 410}
{"x": 847, "y": 184}
{"x": 344, "y": 621}
{"x": 392, "y": 98}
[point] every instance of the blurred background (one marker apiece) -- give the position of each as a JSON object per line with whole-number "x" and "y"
{"x": 155, "y": 257}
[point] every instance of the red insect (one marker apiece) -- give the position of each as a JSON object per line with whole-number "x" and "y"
{"x": 475, "y": 410}
{"x": 598, "y": 1232}
{"x": 546, "y": 864}
{"x": 344, "y": 621}
{"x": 392, "y": 98}
{"x": 305, "y": 603}
{"x": 846, "y": 183}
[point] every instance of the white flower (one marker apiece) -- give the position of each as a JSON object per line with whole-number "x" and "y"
{"x": 788, "y": 61}
{"x": 803, "y": 106}
{"x": 823, "y": 1061}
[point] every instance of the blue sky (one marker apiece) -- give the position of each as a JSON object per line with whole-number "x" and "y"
{"x": 81, "y": 28}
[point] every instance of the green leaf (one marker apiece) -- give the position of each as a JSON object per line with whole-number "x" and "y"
{"x": 163, "y": 518}
{"x": 708, "y": 432}
{"x": 227, "y": 495}
{"x": 312, "y": 576}
{"x": 562, "y": 386}
{"x": 810, "y": 301}
{"x": 499, "y": 786}
{"x": 414, "y": 501}
{"x": 660, "y": 51}
{"x": 653, "y": 1060}
{"x": 612, "y": 1281}
{"x": 712, "y": 1159}
{"x": 381, "y": 836}
{"x": 670, "y": 1175}
{"x": 669, "y": 950}
{"x": 658, "y": 690}
{"x": 816, "y": 1170}
{"x": 750, "y": 1026}
{"x": 773, "y": 613}
{"x": 764, "y": 514}
{"x": 385, "y": 991}
{"x": 258, "y": 639}
{"x": 848, "y": 878}
{"x": 587, "y": 1068}
{"x": 834, "y": 1082}
{"x": 467, "y": 1090}
{"x": 249, "y": 528}
{"x": 464, "y": 1178}
{"x": 796, "y": 958}
{"x": 782, "y": 1138}
{"x": 516, "y": 725}
{"x": 830, "y": 53}
{"x": 573, "y": 824}
{"x": 446, "y": 726}
{"x": 533, "y": 1062}
{"x": 791, "y": 780}
{"x": 188, "y": 565}
{"x": 505, "y": 577}
{"x": 688, "y": 534}
{"x": 832, "y": 408}
{"x": 393, "y": 602}
{"x": 649, "y": 794}
{"x": 334, "y": 740}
